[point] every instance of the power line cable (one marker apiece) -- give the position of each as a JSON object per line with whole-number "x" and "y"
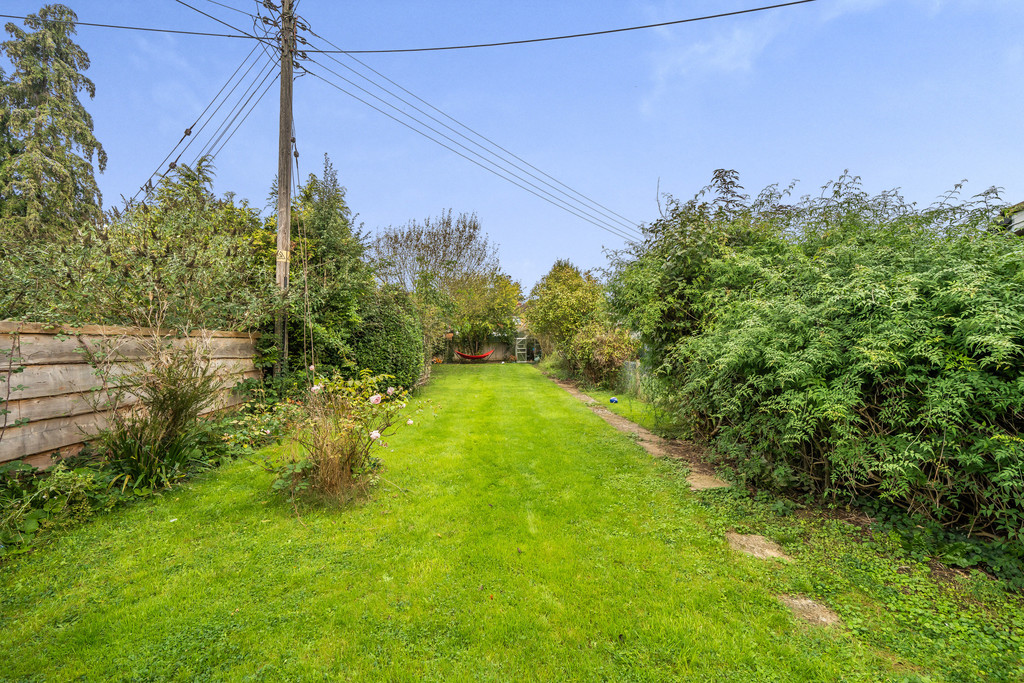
{"x": 219, "y": 21}
{"x": 586, "y": 201}
{"x": 233, "y": 9}
{"x": 254, "y": 104}
{"x": 231, "y": 92}
{"x": 189, "y": 131}
{"x": 272, "y": 59}
{"x": 244, "y": 35}
{"x": 147, "y": 187}
{"x": 307, "y": 308}
{"x": 239, "y": 107}
{"x": 225, "y": 126}
{"x": 487, "y": 139}
{"x": 236, "y": 111}
{"x": 584, "y": 209}
{"x": 137, "y": 28}
{"x": 562, "y": 206}
{"x": 573, "y": 35}
{"x": 259, "y": 23}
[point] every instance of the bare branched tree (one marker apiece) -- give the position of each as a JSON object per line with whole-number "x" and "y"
{"x": 442, "y": 249}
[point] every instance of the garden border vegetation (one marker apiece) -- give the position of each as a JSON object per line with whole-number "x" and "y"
{"x": 842, "y": 346}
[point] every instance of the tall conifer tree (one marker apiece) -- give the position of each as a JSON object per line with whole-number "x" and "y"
{"x": 47, "y": 184}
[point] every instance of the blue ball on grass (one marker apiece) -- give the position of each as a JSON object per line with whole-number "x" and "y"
{"x": 613, "y": 400}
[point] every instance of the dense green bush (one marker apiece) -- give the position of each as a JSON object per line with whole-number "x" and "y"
{"x": 845, "y": 345}
{"x": 32, "y": 504}
{"x": 187, "y": 260}
{"x": 390, "y": 340}
{"x": 598, "y": 351}
{"x": 561, "y": 303}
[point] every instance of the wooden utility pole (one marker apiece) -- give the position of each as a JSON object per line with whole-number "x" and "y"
{"x": 284, "y": 177}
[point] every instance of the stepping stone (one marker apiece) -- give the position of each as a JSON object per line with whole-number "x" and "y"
{"x": 757, "y": 546}
{"x": 703, "y": 482}
{"x": 810, "y": 611}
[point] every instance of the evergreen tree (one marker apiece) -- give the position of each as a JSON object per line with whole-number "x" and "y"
{"x": 47, "y": 145}
{"x": 329, "y": 276}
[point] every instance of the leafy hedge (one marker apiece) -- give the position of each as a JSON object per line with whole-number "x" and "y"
{"x": 390, "y": 339}
{"x": 186, "y": 260}
{"x": 598, "y": 352}
{"x": 847, "y": 345}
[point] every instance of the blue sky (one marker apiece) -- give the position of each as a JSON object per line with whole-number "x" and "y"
{"x": 910, "y": 94}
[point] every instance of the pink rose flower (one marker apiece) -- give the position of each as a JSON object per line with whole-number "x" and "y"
{"x": 375, "y": 399}
{"x": 391, "y": 390}
{"x": 315, "y": 388}
{"x": 312, "y": 367}
{"x": 408, "y": 422}
{"x": 374, "y": 435}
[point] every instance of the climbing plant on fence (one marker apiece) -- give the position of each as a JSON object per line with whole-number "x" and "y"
{"x": 845, "y": 345}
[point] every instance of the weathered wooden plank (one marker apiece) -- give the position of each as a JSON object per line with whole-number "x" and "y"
{"x": 47, "y": 435}
{"x": 66, "y": 405}
{"x": 48, "y": 349}
{"x": 226, "y": 400}
{"x": 59, "y": 432}
{"x": 58, "y": 392}
{"x": 53, "y": 380}
{"x": 13, "y": 326}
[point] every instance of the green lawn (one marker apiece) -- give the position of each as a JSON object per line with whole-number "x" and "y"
{"x": 628, "y": 407}
{"x": 517, "y": 538}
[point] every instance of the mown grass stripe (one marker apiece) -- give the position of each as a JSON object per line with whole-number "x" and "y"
{"x": 534, "y": 543}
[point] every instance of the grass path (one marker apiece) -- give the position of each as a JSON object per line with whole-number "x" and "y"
{"x": 535, "y": 543}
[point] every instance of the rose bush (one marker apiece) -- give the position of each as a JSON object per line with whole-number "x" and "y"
{"x": 342, "y": 421}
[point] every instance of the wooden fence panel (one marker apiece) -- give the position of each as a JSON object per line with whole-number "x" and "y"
{"x": 61, "y": 398}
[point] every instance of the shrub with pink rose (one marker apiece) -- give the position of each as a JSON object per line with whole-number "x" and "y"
{"x": 343, "y": 422}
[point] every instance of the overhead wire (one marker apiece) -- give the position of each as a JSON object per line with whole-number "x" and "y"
{"x": 272, "y": 61}
{"x": 219, "y": 21}
{"x": 244, "y": 35}
{"x": 575, "y": 203}
{"x": 573, "y": 35}
{"x": 586, "y": 203}
{"x": 307, "y": 307}
{"x": 568, "y": 191}
{"x": 191, "y": 131}
{"x": 137, "y": 28}
{"x": 245, "y": 90}
{"x": 611, "y": 230}
{"x": 539, "y": 189}
{"x": 242, "y": 120}
{"x": 226, "y": 6}
{"x": 234, "y": 111}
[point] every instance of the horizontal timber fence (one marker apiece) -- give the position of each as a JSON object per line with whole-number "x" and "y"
{"x": 56, "y": 400}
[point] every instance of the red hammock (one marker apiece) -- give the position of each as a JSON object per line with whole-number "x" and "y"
{"x": 480, "y": 357}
